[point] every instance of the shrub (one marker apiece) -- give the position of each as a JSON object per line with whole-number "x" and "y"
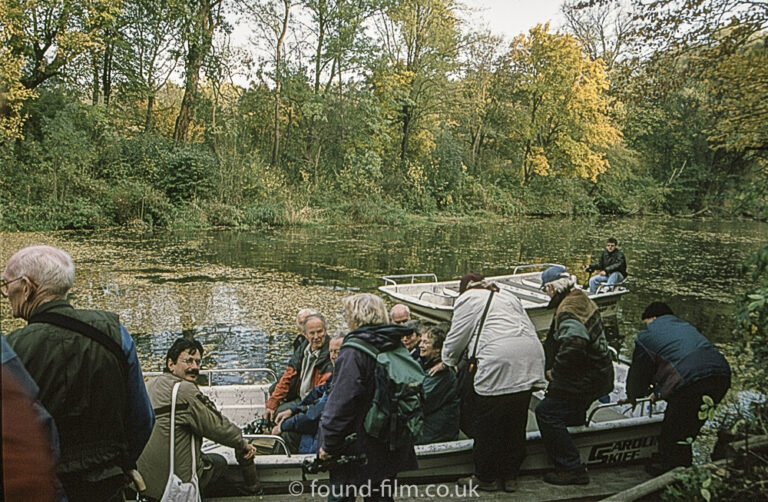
{"x": 264, "y": 214}
{"x": 558, "y": 196}
{"x": 137, "y": 200}
{"x": 188, "y": 174}
{"x": 73, "y": 214}
{"x": 476, "y": 196}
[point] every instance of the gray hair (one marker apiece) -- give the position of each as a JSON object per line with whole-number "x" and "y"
{"x": 302, "y": 315}
{"x": 400, "y": 306}
{"x": 50, "y": 268}
{"x": 313, "y": 315}
{"x": 437, "y": 334}
{"x": 339, "y": 334}
{"x": 563, "y": 284}
{"x": 365, "y": 308}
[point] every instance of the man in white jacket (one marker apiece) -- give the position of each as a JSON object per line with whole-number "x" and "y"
{"x": 510, "y": 366}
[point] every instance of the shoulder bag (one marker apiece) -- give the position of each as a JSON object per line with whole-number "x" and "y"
{"x": 467, "y": 368}
{"x": 175, "y": 489}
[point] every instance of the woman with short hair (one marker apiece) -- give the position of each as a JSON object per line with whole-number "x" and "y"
{"x": 441, "y": 398}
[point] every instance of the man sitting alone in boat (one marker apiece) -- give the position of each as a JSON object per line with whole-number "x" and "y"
{"x": 298, "y": 424}
{"x": 612, "y": 266}
{"x": 309, "y": 366}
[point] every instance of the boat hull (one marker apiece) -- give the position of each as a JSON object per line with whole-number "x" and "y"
{"x": 435, "y": 300}
{"x": 615, "y": 435}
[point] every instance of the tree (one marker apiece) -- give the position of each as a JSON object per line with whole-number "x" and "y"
{"x": 477, "y": 105}
{"x": 273, "y": 18}
{"x": 56, "y": 32}
{"x": 420, "y": 40}
{"x": 603, "y": 31}
{"x": 203, "y": 17}
{"x": 13, "y": 93}
{"x": 557, "y": 107}
{"x": 147, "y": 54}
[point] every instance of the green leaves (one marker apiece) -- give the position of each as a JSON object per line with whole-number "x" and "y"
{"x": 707, "y": 409}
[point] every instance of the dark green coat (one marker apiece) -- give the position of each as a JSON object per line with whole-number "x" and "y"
{"x": 83, "y": 388}
{"x": 577, "y": 351}
{"x": 441, "y": 407}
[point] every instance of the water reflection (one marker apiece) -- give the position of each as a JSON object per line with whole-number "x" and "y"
{"x": 238, "y": 292}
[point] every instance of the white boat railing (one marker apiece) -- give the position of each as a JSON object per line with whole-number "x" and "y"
{"x": 613, "y": 405}
{"x": 534, "y": 265}
{"x": 439, "y": 295}
{"x": 392, "y": 279}
{"x": 218, "y": 371}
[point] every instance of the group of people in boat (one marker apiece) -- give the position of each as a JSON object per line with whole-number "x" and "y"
{"x": 79, "y": 422}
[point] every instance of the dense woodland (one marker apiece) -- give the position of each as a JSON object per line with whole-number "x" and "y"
{"x": 146, "y": 112}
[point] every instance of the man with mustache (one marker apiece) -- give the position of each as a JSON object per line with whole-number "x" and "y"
{"x": 196, "y": 417}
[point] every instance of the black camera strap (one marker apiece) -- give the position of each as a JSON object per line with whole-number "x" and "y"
{"x": 78, "y": 326}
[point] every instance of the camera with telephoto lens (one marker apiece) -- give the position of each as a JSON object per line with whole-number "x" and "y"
{"x": 317, "y": 465}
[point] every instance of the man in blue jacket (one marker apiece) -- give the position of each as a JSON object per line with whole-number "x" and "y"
{"x": 681, "y": 366}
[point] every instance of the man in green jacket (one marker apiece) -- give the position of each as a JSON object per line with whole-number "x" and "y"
{"x": 85, "y": 365}
{"x": 579, "y": 370}
{"x": 196, "y": 418}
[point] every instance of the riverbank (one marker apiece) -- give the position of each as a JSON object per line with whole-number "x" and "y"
{"x": 200, "y": 214}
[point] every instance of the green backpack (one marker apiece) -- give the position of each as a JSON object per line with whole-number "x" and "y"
{"x": 396, "y": 415}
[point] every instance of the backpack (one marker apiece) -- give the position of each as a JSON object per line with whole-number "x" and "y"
{"x": 396, "y": 415}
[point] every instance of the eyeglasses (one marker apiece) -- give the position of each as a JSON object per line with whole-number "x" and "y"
{"x": 4, "y": 285}
{"x": 190, "y": 360}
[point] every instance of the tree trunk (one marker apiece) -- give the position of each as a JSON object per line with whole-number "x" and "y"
{"x": 278, "y": 82}
{"x": 106, "y": 72}
{"x": 199, "y": 41}
{"x": 406, "y": 132}
{"x": 148, "y": 119}
{"x": 96, "y": 90}
{"x": 181, "y": 129}
{"x": 319, "y": 52}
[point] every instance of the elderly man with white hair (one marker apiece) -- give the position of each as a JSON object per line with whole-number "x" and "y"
{"x": 85, "y": 364}
{"x": 579, "y": 371}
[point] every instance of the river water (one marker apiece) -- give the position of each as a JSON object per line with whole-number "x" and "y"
{"x": 238, "y": 292}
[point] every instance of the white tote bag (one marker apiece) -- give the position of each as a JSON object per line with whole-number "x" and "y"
{"x": 175, "y": 490}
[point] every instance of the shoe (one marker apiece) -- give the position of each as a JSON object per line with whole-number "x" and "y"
{"x": 572, "y": 477}
{"x": 510, "y": 485}
{"x": 474, "y": 481}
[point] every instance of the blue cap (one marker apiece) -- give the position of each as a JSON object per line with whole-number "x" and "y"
{"x": 553, "y": 273}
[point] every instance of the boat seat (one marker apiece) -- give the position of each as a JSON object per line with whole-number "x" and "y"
{"x": 606, "y": 415}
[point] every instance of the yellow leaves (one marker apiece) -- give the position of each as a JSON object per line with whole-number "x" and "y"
{"x": 416, "y": 177}
{"x": 536, "y": 162}
{"x": 559, "y": 109}
{"x": 12, "y": 96}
